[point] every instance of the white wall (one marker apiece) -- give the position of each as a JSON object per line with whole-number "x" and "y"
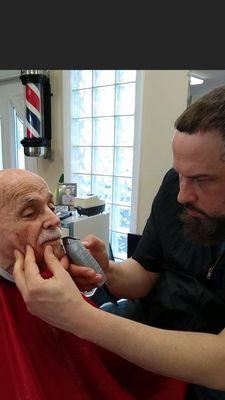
{"x": 164, "y": 98}
{"x": 51, "y": 170}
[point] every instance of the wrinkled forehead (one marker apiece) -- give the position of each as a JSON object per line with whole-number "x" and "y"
{"x": 20, "y": 190}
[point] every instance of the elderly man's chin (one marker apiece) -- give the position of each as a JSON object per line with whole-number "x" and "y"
{"x": 57, "y": 250}
{"x": 205, "y": 231}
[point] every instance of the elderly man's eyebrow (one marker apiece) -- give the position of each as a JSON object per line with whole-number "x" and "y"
{"x": 32, "y": 200}
{"x": 50, "y": 196}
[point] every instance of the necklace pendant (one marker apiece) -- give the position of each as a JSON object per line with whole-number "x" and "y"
{"x": 209, "y": 273}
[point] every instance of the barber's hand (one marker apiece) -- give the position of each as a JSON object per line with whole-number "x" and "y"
{"x": 84, "y": 277}
{"x": 56, "y": 300}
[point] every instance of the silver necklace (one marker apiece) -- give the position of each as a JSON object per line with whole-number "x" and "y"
{"x": 211, "y": 268}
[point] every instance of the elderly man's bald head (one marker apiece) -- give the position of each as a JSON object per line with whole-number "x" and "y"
{"x": 11, "y": 181}
{"x": 27, "y": 216}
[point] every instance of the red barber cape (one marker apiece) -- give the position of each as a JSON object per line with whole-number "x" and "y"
{"x": 39, "y": 362}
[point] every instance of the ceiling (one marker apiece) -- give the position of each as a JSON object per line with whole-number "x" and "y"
{"x": 9, "y": 73}
{"x": 212, "y": 79}
{"x": 209, "y": 74}
{"x": 218, "y": 75}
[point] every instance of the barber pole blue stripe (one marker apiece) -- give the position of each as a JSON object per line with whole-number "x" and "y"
{"x": 32, "y": 132}
{"x": 33, "y": 120}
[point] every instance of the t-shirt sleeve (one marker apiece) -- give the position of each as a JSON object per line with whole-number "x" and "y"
{"x": 149, "y": 251}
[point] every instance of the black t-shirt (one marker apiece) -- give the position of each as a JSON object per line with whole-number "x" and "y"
{"x": 183, "y": 297}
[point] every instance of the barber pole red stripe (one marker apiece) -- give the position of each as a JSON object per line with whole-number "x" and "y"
{"x": 33, "y": 110}
{"x": 32, "y": 97}
{"x": 29, "y": 134}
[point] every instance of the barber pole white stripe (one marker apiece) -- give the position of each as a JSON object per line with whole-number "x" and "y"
{"x": 33, "y": 110}
{"x": 32, "y": 130}
{"x": 34, "y": 88}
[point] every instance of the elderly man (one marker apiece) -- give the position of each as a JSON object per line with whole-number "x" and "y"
{"x": 177, "y": 268}
{"x": 39, "y": 362}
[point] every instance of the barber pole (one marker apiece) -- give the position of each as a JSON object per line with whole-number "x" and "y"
{"x": 38, "y": 113}
{"x": 33, "y": 110}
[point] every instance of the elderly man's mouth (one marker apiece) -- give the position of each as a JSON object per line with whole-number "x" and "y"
{"x": 50, "y": 236}
{"x": 51, "y": 241}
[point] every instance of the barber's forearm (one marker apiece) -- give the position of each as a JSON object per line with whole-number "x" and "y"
{"x": 128, "y": 279}
{"x": 193, "y": 357}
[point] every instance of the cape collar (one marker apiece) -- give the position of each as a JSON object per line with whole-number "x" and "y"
{"x": 6, "y": 275}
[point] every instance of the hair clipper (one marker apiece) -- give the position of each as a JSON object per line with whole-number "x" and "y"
{"x": 79, "y": 255}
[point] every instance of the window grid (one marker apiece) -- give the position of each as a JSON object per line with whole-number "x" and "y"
{"x": 120, "y": 208}
{"x": 19, "y": 134}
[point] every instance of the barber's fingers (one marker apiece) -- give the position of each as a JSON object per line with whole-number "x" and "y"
{"x": 54, "y": 265}
{"x": 77, "y": 271}
{"x": 84, "y": 277}
{"x": 65, "y": 262}
{"x": 31, "y": 270}
{"x": 18, "y": 272}
{"x": 94, "y": 243}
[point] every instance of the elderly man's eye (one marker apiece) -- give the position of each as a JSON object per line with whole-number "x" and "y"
{"x": 52, "y": 207}
{"x": 28, "y": 213}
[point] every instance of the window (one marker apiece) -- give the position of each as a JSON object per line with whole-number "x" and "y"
{"x": 13, "y": 117}
{"x": 102, "y": 115}
{"x": 19, "y": 135}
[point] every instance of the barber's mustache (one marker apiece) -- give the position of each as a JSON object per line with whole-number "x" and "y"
{"x": 189, "y": 206}
{"x": 48, "y": 235}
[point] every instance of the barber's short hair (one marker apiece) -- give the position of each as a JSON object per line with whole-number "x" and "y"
{"x": 206, "y": 114}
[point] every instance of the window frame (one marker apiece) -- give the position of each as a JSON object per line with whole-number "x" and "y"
{"x": 67, "y": 112}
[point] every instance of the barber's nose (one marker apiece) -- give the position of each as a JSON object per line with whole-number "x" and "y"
{"x": 51, "y": 219}
{"x": 187, "y": 191}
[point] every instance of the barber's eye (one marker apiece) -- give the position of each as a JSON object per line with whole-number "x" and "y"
{"x": 203, "y": 180}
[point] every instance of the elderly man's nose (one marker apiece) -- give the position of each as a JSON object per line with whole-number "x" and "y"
{"x": 51, "y": 219}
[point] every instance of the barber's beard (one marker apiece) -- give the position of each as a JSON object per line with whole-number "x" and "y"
{"x": 207, "y": 230}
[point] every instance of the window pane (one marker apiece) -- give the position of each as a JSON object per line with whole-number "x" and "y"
{"x": 124, "y": 131}
{"x": 19, "y": 135}
{"x": 81, "y": 160}
{"x": 121, "y": 218}
{"x": 83, "y": 184}
{"x": 81, "y": 79}
{"x": 102, "y": 186}
{"x": 82, "y": 132}
{"x": 123, "y": 195}
{"x": 103, "y": 160}
{"x": 82, "y": 103}
{"x": 103, "y": 77}
{"x": 103, "y": 131}
{"x": 108, "y": 208}
{"x": 103, "y": 107}
{"x": 125, "y": 76}
{"x": 119, "y": 245}
{"x": 125, "y": 99}
{"x": 123, "y": 161}
{"x": 103, "y": 101}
